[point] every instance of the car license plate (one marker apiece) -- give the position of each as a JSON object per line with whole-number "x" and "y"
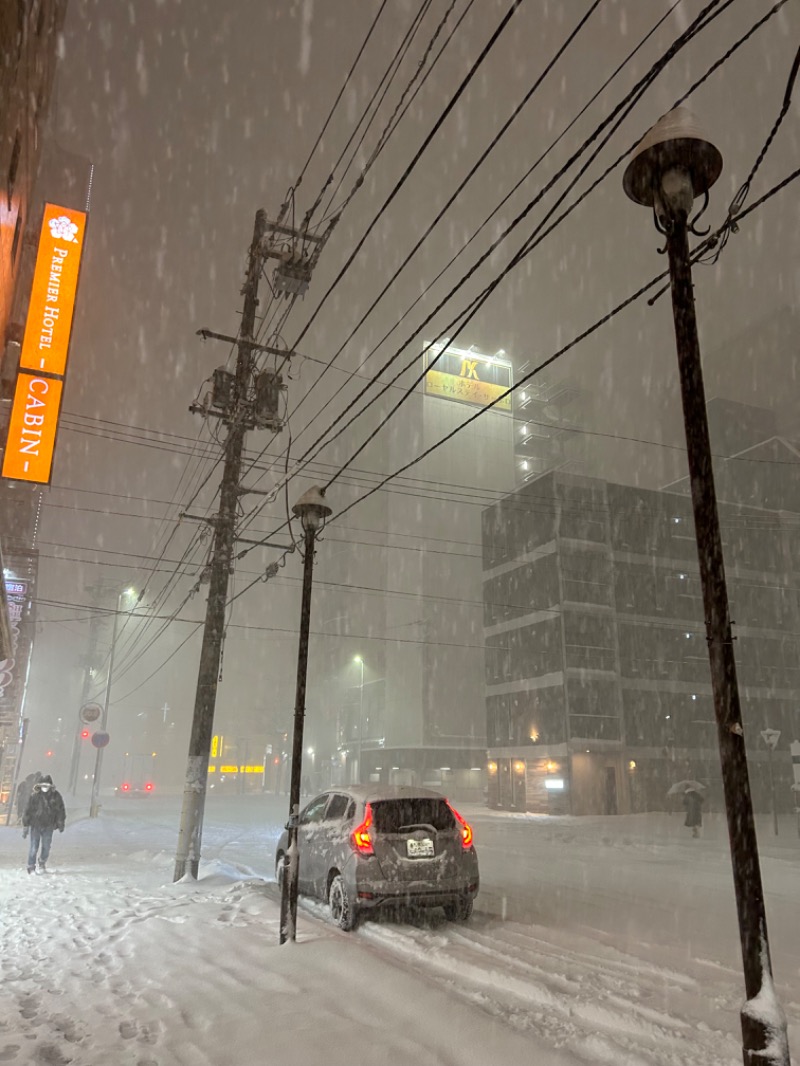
{"x": 420, "y": 849}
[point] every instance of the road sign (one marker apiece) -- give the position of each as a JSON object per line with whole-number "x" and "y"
{"x": 100, "y": 739}
{"x": 90, "y": 712}
{"x": 794, "y": 747}
{"x": 771, "y": 737}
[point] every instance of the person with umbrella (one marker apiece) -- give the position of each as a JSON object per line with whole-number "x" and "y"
{"x": 693, "y": 804}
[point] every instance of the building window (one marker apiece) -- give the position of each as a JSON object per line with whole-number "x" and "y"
{"x": 13, "y": 167}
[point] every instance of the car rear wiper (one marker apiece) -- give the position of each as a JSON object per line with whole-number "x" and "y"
{"x": 418, "y": 825}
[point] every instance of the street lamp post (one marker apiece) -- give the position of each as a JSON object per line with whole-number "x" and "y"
{"x": 94, "y": 803}
{"x": 673, "y": 164}
{"x": 312, "y": 511}
{"x": 360, "y": 661}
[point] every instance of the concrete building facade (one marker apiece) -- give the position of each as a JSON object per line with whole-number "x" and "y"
{"x": 598, "y": 694}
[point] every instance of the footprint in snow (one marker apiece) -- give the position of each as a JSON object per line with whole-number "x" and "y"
{"x": 29, "y": 1007}
{"x": 68, "y": 1029}
{"x": 49, "y": 1055}
{"x": 145, "y": 1034}
{"x": 9, "y": 1052}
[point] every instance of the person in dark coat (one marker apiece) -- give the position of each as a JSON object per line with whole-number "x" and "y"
{"x": 44, "y": 813}
{"x": 693, "y": 802}
{"x": 24, "y": 789}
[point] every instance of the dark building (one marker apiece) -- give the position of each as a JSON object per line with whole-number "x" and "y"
{"x": 29, "y": 33}
{"x": 29, "y": 38}
{"x": 598, "y": 690}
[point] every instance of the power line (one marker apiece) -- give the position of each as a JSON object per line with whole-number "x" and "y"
{"x": 339, "y": 96}
{"x": 463, "y": 248}
{"x": 197, "y": 628}
{"x": 329, "y": 210}
{"x": 557, "y": 355}
{"x": 464, "y": 316}
{"x": 409, "y": 170}
{"x": 384, "y": 84}
{"x": 404, "y": 43}
{"x": 399, "y": 110}
{"x": 617, "y": 116}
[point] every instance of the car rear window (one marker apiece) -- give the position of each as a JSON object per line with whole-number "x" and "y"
{"x": 392, "y": 816}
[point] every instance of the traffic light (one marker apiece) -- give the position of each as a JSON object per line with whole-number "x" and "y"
{"x": 84, "y": 734}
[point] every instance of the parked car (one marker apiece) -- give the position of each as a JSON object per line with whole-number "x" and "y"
{"x": 368, "y": 846}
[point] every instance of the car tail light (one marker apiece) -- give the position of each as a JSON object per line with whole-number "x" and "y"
{"x": 149, "y": 786}
{"x": 465, "y": 827}
{"x": 126, "y": 787}
{"x": 360, "y": 838}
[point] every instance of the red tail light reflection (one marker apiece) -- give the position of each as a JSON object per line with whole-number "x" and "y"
{"x": 466, "y": 828}
{"x": 360, "y": 838}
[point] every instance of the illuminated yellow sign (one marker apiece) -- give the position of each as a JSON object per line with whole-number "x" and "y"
{"x": 55, "y": 282}
{"x": 32, "y": 429}
{"x": 468, "y": 377}
{"x": 237, "y": 769}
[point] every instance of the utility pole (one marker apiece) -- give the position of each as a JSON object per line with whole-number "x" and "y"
{"x": 94, "y": 804}
{"x": 244, "y": 400}
{"x": 88, "y": 674}
{"x": 194, "y": 794}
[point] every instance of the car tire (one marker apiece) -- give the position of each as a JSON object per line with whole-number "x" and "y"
{"x": 279, "y": 867}
{"x": 459, "y": 911}
{"x": 343, "y": 912}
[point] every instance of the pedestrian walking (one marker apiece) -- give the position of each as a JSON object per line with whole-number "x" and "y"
{"x": 24, "y": 789}
{"x": 693, "y": 803}
{"x": 43, "y": 814}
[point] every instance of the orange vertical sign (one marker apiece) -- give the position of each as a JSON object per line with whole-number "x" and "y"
{"x": 55, "y": 281}
{"x": 32, "y": 429}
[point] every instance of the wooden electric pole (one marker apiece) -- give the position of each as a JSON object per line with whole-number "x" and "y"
{"x": 187, "y": 858}
{"x": 244, "y": 400}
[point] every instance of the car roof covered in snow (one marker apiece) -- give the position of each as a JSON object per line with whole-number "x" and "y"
{"x": 375, "y": 792}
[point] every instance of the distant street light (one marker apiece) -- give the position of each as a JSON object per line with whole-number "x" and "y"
{"x": 312, "y": 511}
{"x": 94, "y": 804}
{"x": 360, "y": 661}
{"x": 673, "y": 164}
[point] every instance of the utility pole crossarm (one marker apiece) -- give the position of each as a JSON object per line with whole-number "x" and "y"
{"x": 209, "y": 334}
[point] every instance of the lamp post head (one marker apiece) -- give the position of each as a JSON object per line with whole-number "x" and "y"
{"x": 311, "y": 508}
{"x": 676, "y": 142}
{"x": 128, "y": 599}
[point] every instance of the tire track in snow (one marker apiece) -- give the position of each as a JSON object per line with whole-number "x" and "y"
{"x": 598, "y": 1004}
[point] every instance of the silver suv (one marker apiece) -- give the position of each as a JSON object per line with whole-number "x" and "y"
{"x": 366, "y": 846}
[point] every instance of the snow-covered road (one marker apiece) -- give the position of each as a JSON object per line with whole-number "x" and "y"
{"x": 106, "y": 961}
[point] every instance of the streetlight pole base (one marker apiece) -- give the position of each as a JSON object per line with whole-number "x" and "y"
{"x": 764, "y": 1044}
